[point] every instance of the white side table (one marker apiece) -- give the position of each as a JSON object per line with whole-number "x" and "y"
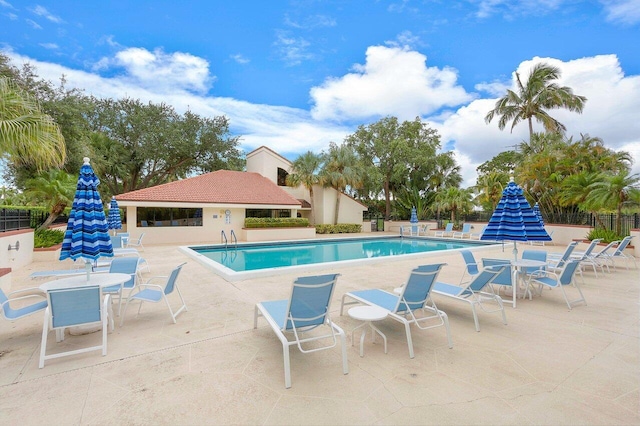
{"x": 368, "y": 314}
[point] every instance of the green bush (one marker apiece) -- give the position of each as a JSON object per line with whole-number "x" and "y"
{"x": 341, "y": 228}
{"x": 607, "y": 235}
{"x": 47, "y": 238}
{"x": 276, "y": 222}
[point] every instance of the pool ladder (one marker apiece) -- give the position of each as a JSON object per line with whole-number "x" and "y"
{"x": 223, "y": 239}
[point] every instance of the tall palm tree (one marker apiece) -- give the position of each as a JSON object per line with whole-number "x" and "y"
{"x": 27, "y": 134}
{"x": 341, "y": 169}
{"x": 533, "y": 99}
{"x": 306, "y": 169}
{"x": 490, "y": 187}
{"x": 616, "y": 192}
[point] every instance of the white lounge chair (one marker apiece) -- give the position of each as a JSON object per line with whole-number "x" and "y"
{"x": 464, "y": 232}
{"x": 413, "y": 298}
{"x": 620, "y": 254}
{"x": 306, "y": 309}
{"x": 474, "y": 292}
{"x": 446, "y": 232}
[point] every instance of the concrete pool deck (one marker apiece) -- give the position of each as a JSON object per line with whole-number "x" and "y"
{"x": 549, "y": 365}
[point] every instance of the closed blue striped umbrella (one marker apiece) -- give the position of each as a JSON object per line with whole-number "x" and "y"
{"x": 113, "y": 220}
{"x": 414, "y": 216}
{"x": 536, "y": 210}
{"x": 87, "y": 234}
{"x": 514, "y": 220}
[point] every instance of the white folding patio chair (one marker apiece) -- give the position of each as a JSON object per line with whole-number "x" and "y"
{"x": 72, "y": 307}
{"x": 564, "y": 277}
{"x": 413, "y": 298}
{"x": 475, "y": 292}
{"x": 307, "y": 309}
{"x": 156, "y": 293}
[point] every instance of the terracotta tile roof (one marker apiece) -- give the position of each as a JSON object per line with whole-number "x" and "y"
{"x": 221, "y": 187}
{"x": 305, "y": 203}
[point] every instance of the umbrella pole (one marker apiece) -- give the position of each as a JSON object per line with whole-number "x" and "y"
{"x": 515, "y": 251}
{"x": 88, "y": 268}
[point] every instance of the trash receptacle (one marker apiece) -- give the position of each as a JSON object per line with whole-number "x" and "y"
{"x": 374, "y": 226}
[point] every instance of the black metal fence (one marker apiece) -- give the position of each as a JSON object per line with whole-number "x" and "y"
{"x": 16, "y": 219}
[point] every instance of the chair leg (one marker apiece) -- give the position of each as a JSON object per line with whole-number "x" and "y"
{"x": 43, "y": 342}
{"x": 287, "y": 365}
{"x": 407, "y": 328}
{"x": 475, "y": 315}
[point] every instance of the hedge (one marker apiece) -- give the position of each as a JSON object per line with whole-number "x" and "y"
{"x": 341, "y": 228}
{"x": 276, "y": 222}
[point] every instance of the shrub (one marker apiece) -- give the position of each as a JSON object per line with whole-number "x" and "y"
{"x": 341, "y": 228}
{"x": 275, "y": 222}
{"x": 47, "y": 238}
{"x": 607, "y": 235}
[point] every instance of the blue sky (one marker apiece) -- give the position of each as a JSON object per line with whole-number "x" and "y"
{"x": 296, "y": 75}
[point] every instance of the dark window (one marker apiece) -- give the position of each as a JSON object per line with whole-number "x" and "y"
{"x": 267, "y": 213}
{"x": 159, "y": 216}
{"x": 282, "y": 177}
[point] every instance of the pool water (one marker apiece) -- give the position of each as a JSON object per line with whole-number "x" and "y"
{"x": 253, "y": 257}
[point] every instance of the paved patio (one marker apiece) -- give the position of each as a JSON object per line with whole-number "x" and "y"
{"x": 549, "y": 365}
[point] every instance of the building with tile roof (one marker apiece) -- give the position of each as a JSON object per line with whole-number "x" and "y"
{"x": 210, "y": 207}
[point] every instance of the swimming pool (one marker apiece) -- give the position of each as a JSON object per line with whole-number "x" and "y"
{"x": 251, "y": 260}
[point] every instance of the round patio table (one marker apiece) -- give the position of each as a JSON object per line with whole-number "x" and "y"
{"x": 368, "y": 314}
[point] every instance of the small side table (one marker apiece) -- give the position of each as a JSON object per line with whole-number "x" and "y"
{"x": 368, "y": 314}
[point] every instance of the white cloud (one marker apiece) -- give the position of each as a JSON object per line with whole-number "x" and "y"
{"x": 623, "y": 11}
{"x": 33, "y": 24}
{"x": 42, "y": 11}
{"x": 393, "y": 81}
{"x": 159, "y": 70}
{"x": 6, "y": 4}
{"x": 240, "y": 59}
{"x": 50, "y": 46}
{"x": 292, "y": 50}
{"x": 511, "y": 8}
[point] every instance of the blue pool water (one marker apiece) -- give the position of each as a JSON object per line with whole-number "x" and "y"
{"x": 254, "y": 257}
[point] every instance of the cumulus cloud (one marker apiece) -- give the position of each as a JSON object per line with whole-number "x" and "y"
{"x": 610, "y": 112}
{"x": 393, "y": 81}
{"x": 160, "y": 70}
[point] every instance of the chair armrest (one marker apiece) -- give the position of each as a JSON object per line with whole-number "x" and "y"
{"x": 29, "y": 296}
{"x": 143, "y": 286}
{"x": 163, "y": 277}
{"x": 33, "y": 291}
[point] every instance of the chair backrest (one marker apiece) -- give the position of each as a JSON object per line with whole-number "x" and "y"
{"x": 309, "y": 302}
{"x": 590, "y": 248}
{"x": 623, "y": 245}
{"x": 567, "y": 253}
{"x": 75, "y": 306}
{"x": 139, "y": 239}
{"x": 415, "y": 292}
{"x": 449, "y": 227}
{"x": 144, "y": 223}
{"x": 171, "y": 282}
{"x": 604, "y": 251}
{"x": 486, "y": 276}
{"x": 466, "y": 228}
{"x": 125, "y": 265}
{"x": 539, "y": 255}
{"x": 504, "y": 277}
{"x": 569, "y": 270}
{"x": 470, "y": 261}
{"x": 116, "y": 241}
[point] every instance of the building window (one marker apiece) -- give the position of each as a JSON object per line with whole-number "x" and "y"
{"x": 282, "y": 177}
{"x": 267, "y": 213}
{"x": 162, "y": 217}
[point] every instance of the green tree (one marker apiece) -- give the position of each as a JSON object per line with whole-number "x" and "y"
{"x": 534, "y": 99}
{"x": 306, "y": 172}
{"x": 142, "y": 145}
{"x": 394, "y": 152}
{"x": 490, "y": 187}
{"x": 455, "y": 200}
{"x": 616, "y": 192}
{"x": 55, "y": 189}
{"x": 342, "y": 169}
{"x": 27, "y": 135}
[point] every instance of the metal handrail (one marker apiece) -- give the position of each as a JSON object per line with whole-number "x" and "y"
{"x": 223, "y": 238}
{"x": 234, "y": 239}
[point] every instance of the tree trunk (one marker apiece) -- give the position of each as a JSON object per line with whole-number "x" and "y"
{"x": 387, "y": 199}
{"x": 335, "y": 222}
{"x": 312, "y": 219}
{"x": 48, "y": 221}
{"x": 530, "y": 129}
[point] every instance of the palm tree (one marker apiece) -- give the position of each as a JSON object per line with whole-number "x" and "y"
{"x": 575, "y": 190}
{"x": 342, "y": 169}
{"x": 534, "y": 98}
{"x": 616, "y": 192}
{"x": 305, "y": 172}
{"x": 54, "y": 188}
{"x": 490, "y": 187}
{"x": 28, "y": 135}
{"x": 455, "y": 200}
